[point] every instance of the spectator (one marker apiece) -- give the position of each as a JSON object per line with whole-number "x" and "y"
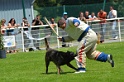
{"x": 3, "y": 30}
{"x": 3, "y": 26}
{"x": 37, "y": 21}
{"x": 25, "y": 23}
{"x": 65, "y": 16}
{"x": 87, "y": 18}
{"x": 25, "y": 26}
{"x": 92, "y": 16}
{"x": 52, "y": 20}
{"x": 86, "y": 14}
{"x": 12, "y": 24}
{"x": 48, "y": 30}
{"x": 102, "y": 17}
{"x": 113, "y": 14}
{"x": 81, "y": 17}
{"x": 35, "y": 31}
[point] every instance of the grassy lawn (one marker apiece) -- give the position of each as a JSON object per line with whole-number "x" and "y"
{"x": 30, "y": 67}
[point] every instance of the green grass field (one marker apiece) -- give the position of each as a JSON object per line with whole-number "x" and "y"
{"x": 30, "y": 67}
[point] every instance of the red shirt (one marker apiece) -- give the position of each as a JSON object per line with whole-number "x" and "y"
{"x": 103, "y": 16}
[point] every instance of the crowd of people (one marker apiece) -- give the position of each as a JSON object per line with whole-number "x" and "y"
{"x": 102, "y": 16}
{"x": 83, "y": 16}
{"x": 5, "y": 30}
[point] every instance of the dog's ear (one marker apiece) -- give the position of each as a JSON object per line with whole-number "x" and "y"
{"x": 71, "y": 53}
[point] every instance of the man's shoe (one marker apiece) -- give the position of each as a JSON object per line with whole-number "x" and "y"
{"x": 110, "y": 60}
{"x": 31, "y": 49}
{"x": 63, "y": 45}
{"x": 101, "y": 41}
{"x": 81, "y": 70}
{"x": 38, "y": 48}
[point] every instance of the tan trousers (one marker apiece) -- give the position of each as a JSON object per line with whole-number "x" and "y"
{"x": 87, "y": 48}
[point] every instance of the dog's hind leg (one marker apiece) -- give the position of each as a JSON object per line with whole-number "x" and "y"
{"x": 71, "y": 66}
{"x": 61, "y": 70}
{"x": 47, "y": 65}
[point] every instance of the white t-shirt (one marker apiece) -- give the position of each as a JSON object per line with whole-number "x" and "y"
{"x": 112, "y": 14}
{"x": 92, "y": 17}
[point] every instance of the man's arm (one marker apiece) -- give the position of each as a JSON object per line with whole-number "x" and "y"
{"x": 114, "y": 13}
{"x": 33, "y": 22}
{"x": 41, "y": 22}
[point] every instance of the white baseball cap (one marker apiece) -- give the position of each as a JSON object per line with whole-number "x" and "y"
{"x": 65, "y": 13}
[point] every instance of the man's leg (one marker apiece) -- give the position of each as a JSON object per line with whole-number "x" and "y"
{"x": 103, "y": 28}
{"x": 100, "y": 56}
{"x": 114, "y": 31}
{"x": 103, "y": 57}
{"x": 81, "y": 60}
{"x": 84, "y": 46}
{"x": 81, "y": 57}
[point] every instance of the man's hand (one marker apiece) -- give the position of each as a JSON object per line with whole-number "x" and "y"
{"x": 60, "y": 38}
{"x": 52, "y": 25}
{"x": 76, "y": 24}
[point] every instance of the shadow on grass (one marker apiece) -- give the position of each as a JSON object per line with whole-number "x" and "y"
{"x": 49, "y": 73}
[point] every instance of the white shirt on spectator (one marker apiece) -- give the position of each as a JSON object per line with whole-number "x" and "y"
{"x": 112, "y": 14}
{"x": 90, "y": 16}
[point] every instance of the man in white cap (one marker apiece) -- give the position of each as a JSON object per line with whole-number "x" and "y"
{"x": 65, "y": 16}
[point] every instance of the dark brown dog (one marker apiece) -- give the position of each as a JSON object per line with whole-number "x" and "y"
{"x": 58, "y": 58}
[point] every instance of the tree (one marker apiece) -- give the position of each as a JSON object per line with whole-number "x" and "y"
{"x": 1, "y": 39}
{"x": 2, "y": 49}
{"x": 49, "y": 3}
{"x": 120, "y": 6}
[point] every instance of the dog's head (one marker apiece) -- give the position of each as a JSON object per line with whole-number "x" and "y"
{"x": 71, "y": 55}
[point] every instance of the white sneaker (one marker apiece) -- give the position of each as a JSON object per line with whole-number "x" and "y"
{"x": 116, "y": 37}
{"x": 81, "y": 71}
{"x": 110, "y": 60}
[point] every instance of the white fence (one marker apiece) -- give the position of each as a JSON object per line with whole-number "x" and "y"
{"x": 24, "y": 41}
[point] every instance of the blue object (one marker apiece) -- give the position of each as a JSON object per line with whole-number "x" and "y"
{"x": 102, "y": 57}
{"x": 65, "y": 13}
{"x": 75, "y": 21}
{"x": 81, "y": 69}
{"x": 9, "y": 43}
{"x": 2, "y": 53}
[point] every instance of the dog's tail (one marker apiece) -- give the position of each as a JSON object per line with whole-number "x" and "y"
{"x": 98, "y": 36}
{"x": 46, "y": 44}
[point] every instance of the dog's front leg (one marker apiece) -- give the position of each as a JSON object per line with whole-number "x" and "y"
{"x": 58, "y": 70}
{"x": 71, "y": 66}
